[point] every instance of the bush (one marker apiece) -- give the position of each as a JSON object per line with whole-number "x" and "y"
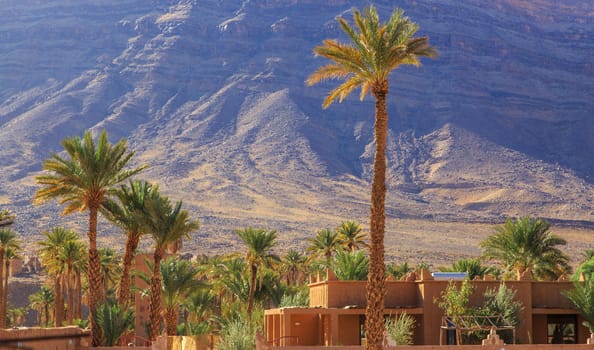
{"x": 400, "y": 329}
{"x": 238, "y": 334}
{"x": 113, "y": 321}
{"x": 298, "y": 298}
{"x": 582, "y": 296}
{"x": 501, "y": 302}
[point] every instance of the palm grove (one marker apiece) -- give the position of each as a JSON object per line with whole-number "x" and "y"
{"x": 227, "y": 294}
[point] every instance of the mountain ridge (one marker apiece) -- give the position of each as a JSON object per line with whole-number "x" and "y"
{"x": 211, "y": 94}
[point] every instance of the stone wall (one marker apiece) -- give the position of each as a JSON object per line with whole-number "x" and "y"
{"x": 63, "y": 338}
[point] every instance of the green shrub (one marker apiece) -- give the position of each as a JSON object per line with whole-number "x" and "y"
{"x": 113, "y": 321}
{"x": 400, "y": 329}
{"x": 351, "y": 266}
{"x": 238, "y": 334}
{"x": 500, "y": 302}
{"x": 582, "y": 296}
{"x": 454, "y": 301}
{"x": 298, "y": 298}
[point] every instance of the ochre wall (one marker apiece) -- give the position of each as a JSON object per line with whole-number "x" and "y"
{"x": 548, "y": 295}
{"x": 539, "y": 322}
{"x": 306, "y": 329}
{"x": 349, "y": 331}
{"x": 354, "y": 295}
{"x": 401, "y": 294}
{"x": 35, "y": 338}
{"x": 338, "y": 324}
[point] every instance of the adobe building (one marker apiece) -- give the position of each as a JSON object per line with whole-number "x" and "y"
{"x": 336, "y": 312}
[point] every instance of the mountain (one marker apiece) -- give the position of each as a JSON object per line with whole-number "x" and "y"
{"x": 211, "y": 95}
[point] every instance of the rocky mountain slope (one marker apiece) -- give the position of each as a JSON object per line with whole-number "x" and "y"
{"x": 210, "y": 94}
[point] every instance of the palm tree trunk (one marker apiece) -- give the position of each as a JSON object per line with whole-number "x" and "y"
{"x": 78, "y": 295}
{"x": 376, "y": 281}
{"x": 6, "y": 274}
{"x": 253, "y": 276}
{"x": 94, "y": 276}
{"x": 58, "y": 301}
{"x": 2, "y": 291}
{"x": 155, "y": 303}
{"x": 124, "y": 292}
{"x": 70, "y": 289}
{"x": 171, "y": 321}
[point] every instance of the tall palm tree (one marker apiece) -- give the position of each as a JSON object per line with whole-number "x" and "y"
{"x": 51, "y": 257}
{"x": 352, "y": 236}
{"x": 42, "y": 302}
{"x": 73, "y": 255}
{"x": 179, "y": 282}
{"x": 127, "y": 214}
{"x": 231, "y": 281}
{"x": 472, "y": 266}
{"x": 325, "y": 244}
{"x": 8, "y": 241}
{"x": 351, "y": 266}
{"x": 11, "y": 253}
{"x": 259, "y": 244}
{"x": 165, "y": 224}
{"x": 199, "y": 305}
{"x": 294, "y": 267}
{"x": 110, "y": 269}
{"x": 375, "y": 50}
{"x": 83, "y": 181}
{"x": 526, "y": 244}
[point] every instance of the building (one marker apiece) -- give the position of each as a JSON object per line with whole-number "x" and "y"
{"x": 336, "y": 312}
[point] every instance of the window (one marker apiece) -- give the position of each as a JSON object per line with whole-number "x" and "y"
{"x": 562, "y": 329}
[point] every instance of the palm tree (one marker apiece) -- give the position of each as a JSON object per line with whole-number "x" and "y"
{"x": 110, "y": 269}
{"x": 127, "y": 214}
{"x": 51, "y": 256}
{"x": 294, "y": 267}
{"x": 179, "y": 282}
{"x": 42, "y": 301}
{"x": 526, "y": 244}
{"x": 114, "y": 321}
{"x": 8, "y": 241}
{"x": 270, "y": 289}
{"x": 259, "y": 244}
{"x": 351, "y": 236}
{"x": 582, "y": 296}
{"x": 325, "y": 244}
{"x": 231, "y": 281}
{"x": 376, "y": 49}
{"x": 351, "y": 266}
{"x": 166, "y": 224}
{"x": 473, "y": 267}
{"x": 399, "y": 271}
{"x": 83, "y": 181}
{"x": 586, "y": 266}
{"x": 11, "y": 252}
{"x": 16, "y": 316}
{"x": 198, "y": 307}
{"x": 73, "y": 255}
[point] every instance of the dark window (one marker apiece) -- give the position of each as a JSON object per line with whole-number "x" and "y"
{"x": 562, "y": 329}
{"x": 361, "y": 329}
{"x": 450, "y": 333}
